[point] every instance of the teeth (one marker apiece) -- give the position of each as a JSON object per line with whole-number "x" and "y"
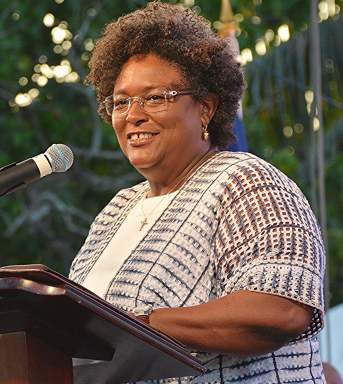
{"x": 140, "y": 136}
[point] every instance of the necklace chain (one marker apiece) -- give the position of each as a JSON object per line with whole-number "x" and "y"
{"x": 185, "y": 175}
{"x": 144, "y": 220}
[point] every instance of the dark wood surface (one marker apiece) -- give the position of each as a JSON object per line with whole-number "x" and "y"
{"x": 71, "y": 319}
{"x": 25, "y": 359}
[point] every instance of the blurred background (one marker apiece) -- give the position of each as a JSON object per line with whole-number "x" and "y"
{"x": 292, "y": 113}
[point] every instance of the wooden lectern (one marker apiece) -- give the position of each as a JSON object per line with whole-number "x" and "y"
{"x": 46, "y": 320}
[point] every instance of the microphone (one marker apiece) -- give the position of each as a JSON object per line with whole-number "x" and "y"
{"x": 57, "y": 158}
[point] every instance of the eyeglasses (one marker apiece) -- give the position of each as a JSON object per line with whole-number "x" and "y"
{"x": 157, "y": 101}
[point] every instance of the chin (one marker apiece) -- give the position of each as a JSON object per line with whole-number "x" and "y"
{"x": 141, "y": 162}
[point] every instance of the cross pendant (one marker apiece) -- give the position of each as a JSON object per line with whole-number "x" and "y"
{"x": 143, "y": 223}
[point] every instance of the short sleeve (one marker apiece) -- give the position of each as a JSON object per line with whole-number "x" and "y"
{"x": 268, "y": 239}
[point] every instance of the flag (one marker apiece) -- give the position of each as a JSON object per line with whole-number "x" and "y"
{"x": 228, "y": 31}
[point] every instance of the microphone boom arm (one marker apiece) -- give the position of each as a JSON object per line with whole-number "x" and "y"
{"x": 24, "y": 171}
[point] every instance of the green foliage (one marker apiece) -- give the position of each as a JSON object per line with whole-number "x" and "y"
{"x": 48, "y": 222}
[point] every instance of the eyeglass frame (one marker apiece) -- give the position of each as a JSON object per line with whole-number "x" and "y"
{"x": 168, "y": 95}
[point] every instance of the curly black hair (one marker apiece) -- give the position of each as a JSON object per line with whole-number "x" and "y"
{"x": 183, "y": 38}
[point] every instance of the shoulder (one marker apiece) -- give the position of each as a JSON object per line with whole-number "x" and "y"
{"x": 122, "y": 200}
{"x": 248, "y": 174}
{"x": 124, "y": 196}
{"x": 102, "y": 226}
{"x": 250, "y": 167}
{"x": 256, "y": 193}
{"x": 130, "y": 192}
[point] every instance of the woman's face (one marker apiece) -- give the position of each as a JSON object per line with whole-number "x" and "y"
{"x": 162, "y": 140}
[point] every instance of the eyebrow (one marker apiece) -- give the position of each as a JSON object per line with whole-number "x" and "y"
{"x": 121, "y": 91}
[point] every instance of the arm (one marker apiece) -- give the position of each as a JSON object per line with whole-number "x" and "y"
{"x": 243, "y": 323}
{"x": 267, "y": 240}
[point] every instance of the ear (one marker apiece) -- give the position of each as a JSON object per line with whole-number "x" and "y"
{"x": 209, "y": 107}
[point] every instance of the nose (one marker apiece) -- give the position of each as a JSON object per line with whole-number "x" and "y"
{"x": 136, "y": 114}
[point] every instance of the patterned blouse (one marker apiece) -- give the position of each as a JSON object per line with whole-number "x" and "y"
{"x": 237, "y": 223}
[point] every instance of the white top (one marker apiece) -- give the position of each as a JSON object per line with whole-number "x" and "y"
{"x": 128, "y": 236}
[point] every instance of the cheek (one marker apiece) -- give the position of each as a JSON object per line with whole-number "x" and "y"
{"x": 118, "y": 131}
{"x": 115, "y": 127}
{"x": 189, "y": 123}
{"x": 188, "y": 115}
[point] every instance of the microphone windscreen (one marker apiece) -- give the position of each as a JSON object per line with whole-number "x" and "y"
{"x": 60, "y": 156}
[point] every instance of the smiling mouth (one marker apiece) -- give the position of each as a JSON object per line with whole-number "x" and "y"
{"x": 140, "y": 136}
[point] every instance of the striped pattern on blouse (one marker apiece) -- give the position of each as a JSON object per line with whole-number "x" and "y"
{"x": 237, "y": 223}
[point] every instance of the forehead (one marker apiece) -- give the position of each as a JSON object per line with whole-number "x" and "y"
{"x": 146, "y": 72}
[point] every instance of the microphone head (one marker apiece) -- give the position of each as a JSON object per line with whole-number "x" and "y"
{"x": 60, "y": 156}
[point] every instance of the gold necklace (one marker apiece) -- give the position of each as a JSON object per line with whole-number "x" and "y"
{"x": 184, "y": 176}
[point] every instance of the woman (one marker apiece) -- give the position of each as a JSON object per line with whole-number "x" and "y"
{"x": 219, "y": 250}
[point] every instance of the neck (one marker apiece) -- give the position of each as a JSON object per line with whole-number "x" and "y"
{"x": 168, "y": 181}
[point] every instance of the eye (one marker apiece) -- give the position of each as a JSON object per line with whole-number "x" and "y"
{"x": 121, "y": 102}
{"x": 155, "y": 98}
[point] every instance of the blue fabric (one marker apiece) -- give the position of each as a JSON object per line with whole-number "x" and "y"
{"x": 239, "y": 131}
